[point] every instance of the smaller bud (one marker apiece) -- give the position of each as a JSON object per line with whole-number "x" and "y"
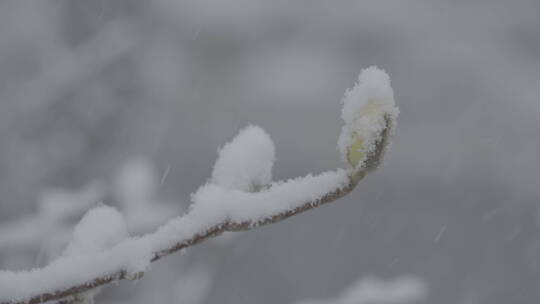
{"x": 245, "y": 163}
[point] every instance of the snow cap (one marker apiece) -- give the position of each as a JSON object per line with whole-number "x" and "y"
{"x": 366, "y": 109}
{"x": 246, "y": 162}
{"x": 100, "y": 229}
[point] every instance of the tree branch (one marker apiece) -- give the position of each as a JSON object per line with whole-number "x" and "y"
{"x": 214, "y": 231}
{"x": 355, "y": 175}
{"x": 369, "y": 113}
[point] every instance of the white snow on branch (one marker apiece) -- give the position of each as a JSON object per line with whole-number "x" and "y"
{"x": 246, "y": 162}
{"x": 212, "y": 204}
{"x": 401, "y": 290}
{"x": 239, "y": 194}
{"x": 366, "y": 107}
{"x": 100, "y": 229}
{"x": 55, "y": 208}
{"x": 214, "y": 201}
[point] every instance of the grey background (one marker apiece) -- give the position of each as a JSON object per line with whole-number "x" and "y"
{"x": 87, "y": 85}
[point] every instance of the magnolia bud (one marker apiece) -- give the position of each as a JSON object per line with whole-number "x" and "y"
{"x": 368, "y": 110}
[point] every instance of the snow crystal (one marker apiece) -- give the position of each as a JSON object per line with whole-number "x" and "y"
{"x": 246, "y": 162}
{"x": 365, "y": 107}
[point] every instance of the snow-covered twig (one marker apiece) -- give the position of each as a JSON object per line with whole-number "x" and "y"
{"x": 226, "y": 203}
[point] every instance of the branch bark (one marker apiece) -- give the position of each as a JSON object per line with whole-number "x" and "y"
{"x": 355, "y": 175}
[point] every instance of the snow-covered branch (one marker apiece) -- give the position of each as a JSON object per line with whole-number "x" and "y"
{"x": 239, "y": 196}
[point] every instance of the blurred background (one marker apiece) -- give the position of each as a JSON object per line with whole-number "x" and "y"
{"x": 125, "y": 102}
